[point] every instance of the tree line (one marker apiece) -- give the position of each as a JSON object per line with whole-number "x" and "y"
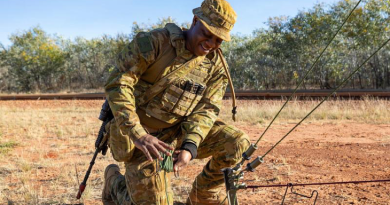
{"x": 276, "y": 57}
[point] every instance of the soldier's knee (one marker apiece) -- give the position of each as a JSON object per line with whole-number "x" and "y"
{"x": 237, "y": 142}
{"x": 236, "y": 135}
{"x": 242, "y": 141}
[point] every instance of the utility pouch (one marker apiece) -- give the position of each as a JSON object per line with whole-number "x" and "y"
{"x": 121, "y": 146}
{"x": 182, "y": 97}
{"x": 171, "y": 97}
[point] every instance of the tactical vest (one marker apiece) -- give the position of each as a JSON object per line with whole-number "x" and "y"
{"x": 180, "y": 97}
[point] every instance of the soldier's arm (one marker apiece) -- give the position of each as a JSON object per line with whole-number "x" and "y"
{"x": 201, "y": 120}
{"x": 132, "y": 62}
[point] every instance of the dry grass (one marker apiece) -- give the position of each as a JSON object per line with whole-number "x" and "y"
{"x": 52, "y": 139}
{"x": 43, "y": 143}
{"x": 368, "y": 110}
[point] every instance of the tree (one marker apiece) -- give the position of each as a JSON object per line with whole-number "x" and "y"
{"x": 276, "y": 57}
{"x": 36, "y": 60}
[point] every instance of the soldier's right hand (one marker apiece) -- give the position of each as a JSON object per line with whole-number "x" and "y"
{"x": 150, "y": 144}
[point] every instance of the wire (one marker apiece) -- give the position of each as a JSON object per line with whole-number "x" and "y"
{"x": 317, "y": 184}
{"x": 307, "y": 73}
{"x": 327, "y": 97}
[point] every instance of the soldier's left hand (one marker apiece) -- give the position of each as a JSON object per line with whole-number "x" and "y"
{"x": 181, "y": 160}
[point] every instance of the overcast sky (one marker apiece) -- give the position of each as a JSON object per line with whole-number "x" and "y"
{"x": 93, "y": 18}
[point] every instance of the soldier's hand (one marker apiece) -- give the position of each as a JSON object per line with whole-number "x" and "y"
{"x": 150, "y": 144}
{"x": 181, "y": 160}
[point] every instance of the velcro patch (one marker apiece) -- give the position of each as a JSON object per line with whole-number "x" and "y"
{"x": 144, "y": 44}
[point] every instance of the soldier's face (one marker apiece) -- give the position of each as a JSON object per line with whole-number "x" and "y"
{"x": 200, "y": 41}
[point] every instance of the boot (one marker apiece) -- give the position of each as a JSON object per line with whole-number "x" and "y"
{"x": 207, "y": 197}
{"x": 112, "y": 171}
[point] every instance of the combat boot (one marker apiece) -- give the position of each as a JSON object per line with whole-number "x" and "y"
{"x": 112, "y": 171}
{"x": 207, "y": 197}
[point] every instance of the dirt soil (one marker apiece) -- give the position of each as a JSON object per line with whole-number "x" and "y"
{"x": 325, "y": 151}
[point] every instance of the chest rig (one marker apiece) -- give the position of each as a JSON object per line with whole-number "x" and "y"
{"x": 171, "y": 87}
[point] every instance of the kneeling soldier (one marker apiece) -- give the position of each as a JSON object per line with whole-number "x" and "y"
{"x": 165, "y": 94}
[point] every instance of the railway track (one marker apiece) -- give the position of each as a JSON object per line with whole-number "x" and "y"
{"x": 275, "y": 94}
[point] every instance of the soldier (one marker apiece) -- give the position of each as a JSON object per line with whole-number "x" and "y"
{"x": 165, "y": 94}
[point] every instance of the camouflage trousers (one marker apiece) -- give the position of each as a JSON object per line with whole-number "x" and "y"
{"x": 145, "y": 184}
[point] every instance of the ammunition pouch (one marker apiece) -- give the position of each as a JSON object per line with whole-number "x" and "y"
{"x": 176, "y": 101}
{"x": 181, "y": 99}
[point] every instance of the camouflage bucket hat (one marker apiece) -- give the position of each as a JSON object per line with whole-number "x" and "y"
{"x": 217, "y": 16}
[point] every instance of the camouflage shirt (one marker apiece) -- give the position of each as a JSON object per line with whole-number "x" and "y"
{"x": 125, "y": 85}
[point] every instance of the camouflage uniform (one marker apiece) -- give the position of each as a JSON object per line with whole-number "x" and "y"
{"x": 180, "y": 114}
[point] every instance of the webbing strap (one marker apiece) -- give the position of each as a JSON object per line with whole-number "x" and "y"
{"x": 234, "y": 110}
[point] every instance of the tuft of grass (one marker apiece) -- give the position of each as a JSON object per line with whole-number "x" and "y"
{"x": 7, "y": 146}
{"x": 25, "y": 167}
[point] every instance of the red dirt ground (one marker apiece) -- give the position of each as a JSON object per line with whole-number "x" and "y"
{"x": 316, "y": 152}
